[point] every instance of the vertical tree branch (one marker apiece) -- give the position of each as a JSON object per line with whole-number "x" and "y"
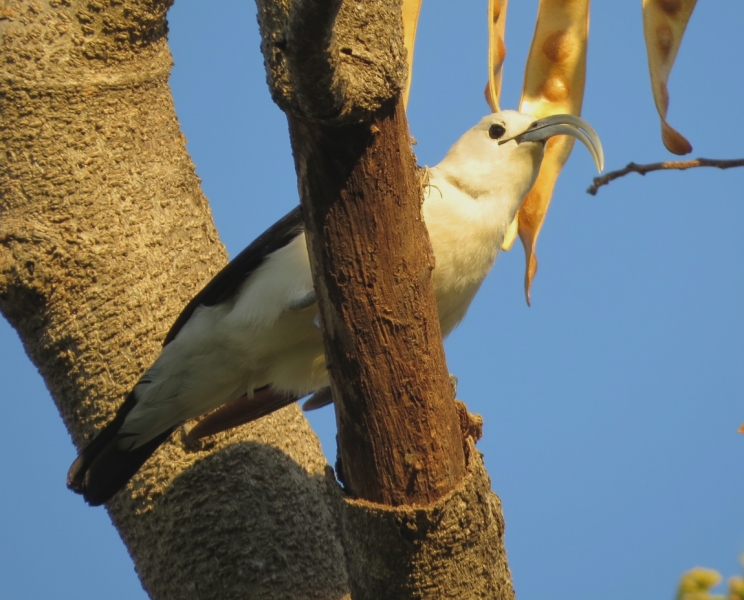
{"x": 433, "y": 528}
{"x": 371, "y": 258}
{"x": 399, "y": 435}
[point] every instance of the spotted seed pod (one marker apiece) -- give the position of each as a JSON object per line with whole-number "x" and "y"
{"x": 496, "y": 51}
{"x": 664, "y": 23}
{"x": 553, "y": 83}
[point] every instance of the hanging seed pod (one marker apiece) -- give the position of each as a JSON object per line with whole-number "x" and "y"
{"x": 496, "y": 51}
{"x": 411, "y": 10}
{"x": 664, "y": 24}
{"x": 553, "y": 83}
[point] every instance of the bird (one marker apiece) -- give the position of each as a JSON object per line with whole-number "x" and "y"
{"x": 250, "y": 342}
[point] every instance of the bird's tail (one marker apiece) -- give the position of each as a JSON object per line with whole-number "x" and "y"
{"x": 103, "y": 467}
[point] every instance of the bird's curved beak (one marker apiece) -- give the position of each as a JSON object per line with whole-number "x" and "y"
{"x": 545, "y": 128}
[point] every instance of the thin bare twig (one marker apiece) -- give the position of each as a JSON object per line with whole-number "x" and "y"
{"x": 679, "y": 165}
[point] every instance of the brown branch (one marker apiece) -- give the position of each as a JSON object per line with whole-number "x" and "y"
{"x": 337, "y": 73}
{"x": 679, "y": 165}
{"x": 398, "y": 434}
{"x": 417, "y": 520}
{"x": 335, "y": 62}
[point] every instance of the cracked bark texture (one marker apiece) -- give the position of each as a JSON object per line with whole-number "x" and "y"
{"x": 104, "y": 236}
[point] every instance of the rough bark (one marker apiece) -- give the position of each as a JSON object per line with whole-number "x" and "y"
{"x": 336, "y": 61}
{"x": 338, "y": 72}
{"x": 104, "y": 236}
{"x": 421, "y": 528}
{"x": 399, "y": 438}
{"x": 453, "y": 548}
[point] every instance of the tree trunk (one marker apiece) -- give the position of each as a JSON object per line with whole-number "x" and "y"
{"x": 421, "y": 527}
{"x": 104, "y": 236}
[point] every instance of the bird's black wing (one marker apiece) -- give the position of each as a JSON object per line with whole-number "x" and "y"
{"x": 228, "y": 281}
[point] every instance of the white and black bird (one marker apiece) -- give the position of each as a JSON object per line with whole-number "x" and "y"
{"x": 249, "y": 341}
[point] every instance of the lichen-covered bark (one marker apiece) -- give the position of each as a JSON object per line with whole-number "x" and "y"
{"x": 104, "y": 236}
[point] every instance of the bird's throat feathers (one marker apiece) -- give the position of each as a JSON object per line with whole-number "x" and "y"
{"x": 506, "y": 176}
{"x": 498, "y": 183}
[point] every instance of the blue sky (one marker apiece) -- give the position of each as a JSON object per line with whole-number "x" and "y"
{"x": 611, "y": 405}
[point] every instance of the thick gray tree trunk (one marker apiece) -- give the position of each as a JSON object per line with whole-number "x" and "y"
{"x": 104, "y": 236}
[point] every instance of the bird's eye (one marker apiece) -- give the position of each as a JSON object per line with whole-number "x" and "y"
{"x": 496, "y": 130}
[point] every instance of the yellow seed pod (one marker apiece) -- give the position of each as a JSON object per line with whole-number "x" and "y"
{"x": 411, "y": 10}
{"x": 496, "y": 56}
{"x": 496, "y": 51}
{"x": 553, "y": 84}
{"x": 664, "y": 24}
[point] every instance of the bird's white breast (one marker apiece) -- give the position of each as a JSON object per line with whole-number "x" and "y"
{"x": 466, "y": 234}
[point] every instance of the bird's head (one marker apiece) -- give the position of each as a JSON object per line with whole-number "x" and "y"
{"x": 502, "y": 154}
